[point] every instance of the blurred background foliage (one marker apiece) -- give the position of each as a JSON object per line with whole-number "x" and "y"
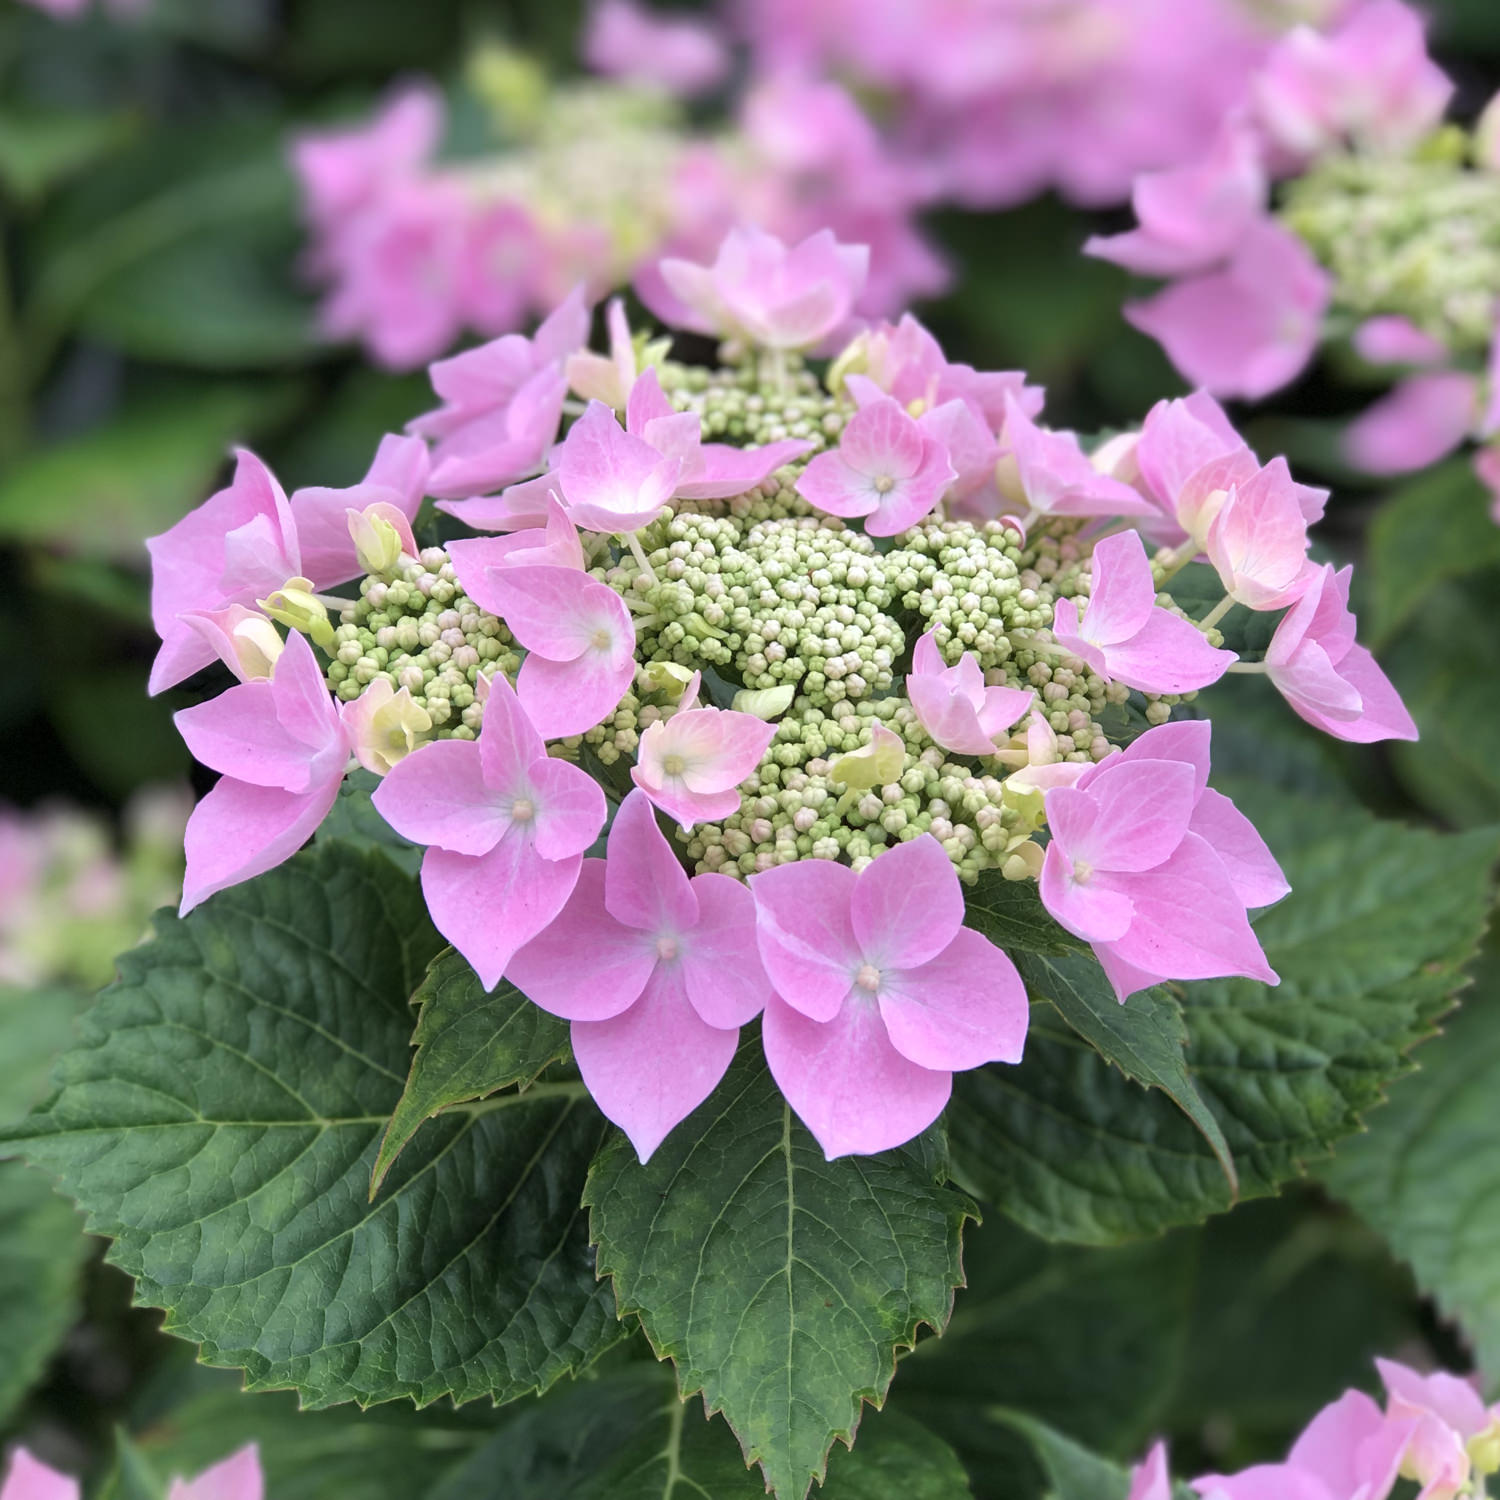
{"x": 153, "y": 312}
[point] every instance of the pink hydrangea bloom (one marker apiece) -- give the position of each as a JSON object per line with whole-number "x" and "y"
{"x": 1353, "y": 1447}
{"x": 477, "y": 560}
{"x": 1125, "y": 636}
{"x": 1192, "y": 217}
{"x": 400, "y": 269}
{"x": 501, "y": 406}
{"x": 1187, "y": 457}
{"x": 656, "y": 972}
{"x": 342, "y": 171}
{"x": 774, "y": 296}
{"x": 1149, "y": 1480}
{"x": 28, "y": 1478}
{"x": 610, "y": 480}
{"x": 281, "y": 748}
{"x": 1329, "y": 680}
{"x": 243, "y": 639}
{"x": 397, "y": 477}
{"x": 237, "y": 1477}
{"x": 238, "y": 546}
{"x": 1370, "y": 81}
{"x": 905, "y": 361}
{"x": 579, "y": 640}
{"x": 1154, "y": 869}
{"x": 1390, "y": 340}
{"x": 881, "y": 994}
{"x": 1249, "y": 328}
{"x": 692, "y": 763}
{"x": 1257, "y": 540}
{"x": 1441, "y": 1413}
{"x": 681, "y": 55}
{"x": 1052, "y": 476}
{"x": 885, "y": 470}
{"x": 505, "y": 825}
{"x": 606, "y": 377}
{"x": 502, "y": 267}
{"x": 707, "y": 471}
{"x": 1419, "y": 421}
{"x": 955, "y": 707}
{"x": 973, "y": 450}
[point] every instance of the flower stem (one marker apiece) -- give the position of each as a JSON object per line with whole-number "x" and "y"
{"x": 638, "y": 553}
{"x": 1216, "y": 614}
{"x": 1248, "y": 667}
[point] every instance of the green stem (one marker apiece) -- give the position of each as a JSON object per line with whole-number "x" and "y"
{"x": 1216, "y": 614}
{"x": 1248, "y": 668}
{"x": 15, "y": 415}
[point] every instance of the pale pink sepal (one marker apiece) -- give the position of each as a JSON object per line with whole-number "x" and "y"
{"x": 237, "y": 1477}
{"x": 29, "y": 1478}
{"x": 953, "y": 704}
{"x": 691, "y": 764}
{"x": 1126, "y": 637}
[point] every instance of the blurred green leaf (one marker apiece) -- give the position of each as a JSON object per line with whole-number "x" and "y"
{"x": 1431, "y": 530}
{"x": 1445, "y": 663}
{"x": 101, "y": 493}
{"x": 1426, "y": 1173}
{"x": 35, "y": 1025}
{"x": 39, "y": 150}
{"x": 42, "y": 1247}
{"x": 118, "y": 735}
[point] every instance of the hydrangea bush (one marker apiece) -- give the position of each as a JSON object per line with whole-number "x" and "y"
{"x": 783, "y": 788}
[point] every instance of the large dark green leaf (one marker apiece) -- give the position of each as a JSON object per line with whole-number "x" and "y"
{"x": 1368, "y": 946}
{"x": 219, "y": 1119}
{"x": 469, "y": 1043}
{"x": 1426, "y": 1174}
{"x": 39, "y": 149}
{"x": 781, "y": 1285}
{"x": 1144, "y": 1039}
{"x": 353, "y": 820}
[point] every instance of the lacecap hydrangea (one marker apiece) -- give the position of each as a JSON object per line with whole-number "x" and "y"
{"x": 746, "y": 672}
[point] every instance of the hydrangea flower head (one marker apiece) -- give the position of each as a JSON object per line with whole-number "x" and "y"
{"x": 881, "y": 993}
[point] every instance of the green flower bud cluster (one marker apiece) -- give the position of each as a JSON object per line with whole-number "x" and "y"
{"x": 421, "y": 632}
{"x": 800, "y": 600}
{"x": 797, "y": 806}
{"x": 1414, "y": 237}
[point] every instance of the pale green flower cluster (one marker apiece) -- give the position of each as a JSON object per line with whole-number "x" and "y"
{"x": 420, "y": 631}
{"x": 1416, "y": 238}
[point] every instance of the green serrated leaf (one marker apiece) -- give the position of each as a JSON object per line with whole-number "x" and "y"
{"x": 1426, "y": 1173}
{"x": 1429, "y": 531}
{"x": 1144, "y": 1039}
{"x": 1369, "y": 946}
{"x": 219, "y": 1118}
{"x": 469, "y": 1044}
{"x": 781, "y": 1285}
{"x": 42, "y": 1249}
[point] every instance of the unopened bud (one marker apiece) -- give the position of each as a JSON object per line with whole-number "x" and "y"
{"x": 381, "y": 536}
{"x": 764, "y": 703}
{"x": 669, "y": 678}
{"x": 1024, "y": 862}
{"x": 877, "y": 764}
{"x": 296, "y": 606}
{"x": 854, "y": 360}
{"x": 385, "y": 726}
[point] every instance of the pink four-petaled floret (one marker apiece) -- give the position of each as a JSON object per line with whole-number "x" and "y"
{"x": 953, "y": 704}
